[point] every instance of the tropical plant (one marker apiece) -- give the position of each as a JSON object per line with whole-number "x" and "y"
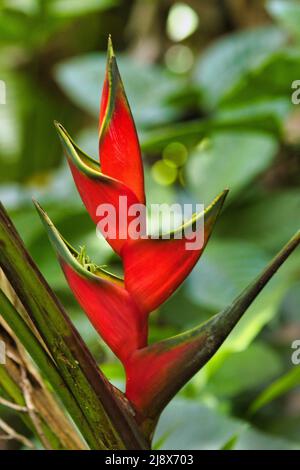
{"x": 118, "y": 308}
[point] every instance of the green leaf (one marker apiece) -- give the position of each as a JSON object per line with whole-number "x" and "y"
{"x": 245, "y": 370}
{"x": 73, "y": 8}
{"x": 148, "y": 88}
{"x": 267, "y": 221}
{"x": 274, "y": 110}
{"x": 206, "y": 428}
{"x": 287, "y": 14}
{"x": 228, "y": 159}
{"x": 231, "y": 264}
{"x": 182, "y": 301}
{"x": 257, "y": 118}
{"x": 273, "y": 79}
{"x": 227, "y": 61}
{"x": 29, "y": 7}
{"x": 279, "y": 387}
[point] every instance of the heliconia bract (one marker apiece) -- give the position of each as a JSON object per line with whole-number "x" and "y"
{"x": 153, "y": 267}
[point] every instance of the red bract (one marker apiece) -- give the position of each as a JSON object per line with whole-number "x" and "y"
{"x": 119, "y": 147}
{"x": 153, "y": 268}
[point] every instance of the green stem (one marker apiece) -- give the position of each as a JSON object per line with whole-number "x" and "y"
{"x": 10, "y": 389}
{"x": 196, "y": 346}
{"x": 45, "y": 364}
{"x": 111, "y": 424}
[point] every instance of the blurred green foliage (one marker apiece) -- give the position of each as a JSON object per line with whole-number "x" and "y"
{"x": 223, "y": 94}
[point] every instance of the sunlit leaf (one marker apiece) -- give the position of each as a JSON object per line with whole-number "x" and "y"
{"x": 279, "y": 387}
{"x": 226, "y": 62}
{"x": 147, "y": 87}
{"x": 287, "y": 14}
{"x": 228, "y": 159}
{"x": 206, "y": 428}
{"x": 245, "y": 370}
{"x": 73, "y": 8}
{"x": 267, "y": 221}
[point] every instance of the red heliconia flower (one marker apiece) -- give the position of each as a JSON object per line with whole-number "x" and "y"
{"x": 153, "y": 267}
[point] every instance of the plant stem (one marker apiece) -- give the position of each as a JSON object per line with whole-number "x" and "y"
{"x": 110, "y": 423}
{"x": 43, "y": 361}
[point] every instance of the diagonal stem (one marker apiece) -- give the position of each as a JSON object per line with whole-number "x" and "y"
{"x": 185, "y": 354}
{"x": 110, "y": 422}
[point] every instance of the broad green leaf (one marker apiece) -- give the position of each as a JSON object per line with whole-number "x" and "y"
{"x": 227, "y": 61}
{"x": 188, "y": 425}
{"x": 245, "y": 370}
{"x": 13, "y": 28}
{"x": 229, "y": 264}
{"x": 72, "y": 8}
{"x": 228, "y": 159}
{"x": 273, "y": 79}
{"x": 252, "y": 439}
{"x": 225, "y": 269}
{"x": 287, "y": 14}
{"x": 291, "y": 301}
{"x": 53, "y": 188}
{"x": 265, "y": 117}
{"x": 25, "y": 128}
{"x": 274, "y": 109}
{"x": 267, "y": 221}
{"x": 148, "y": 88}
{"x": 29, "y": 7}
{"x": 279, "y": 387}
{"x": 88, "y": 140}
{"x": 172, "y": 310}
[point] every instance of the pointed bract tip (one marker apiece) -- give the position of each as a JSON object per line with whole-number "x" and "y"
{"x": 43, "y": 215}
{"x": 37, "y": 206}
{"x": 65, "y": 251}
{"x": 110, "y": 49}
{"x": 61, "y": 131}
{"x": 217, "y": 204}
{"x": 61, "y": 247}
{"x": 212, "y": 212}
{"x": 223, "y": 195}
{"x": 64, "y": 136}
{"x": 59, "y": 128}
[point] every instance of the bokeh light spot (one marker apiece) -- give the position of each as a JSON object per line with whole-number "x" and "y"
{"x": 182, "y": 22}
{"x": 175, "y": 154}
{"x": 163, "y": 173}
{"x": 179, "y": 59}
